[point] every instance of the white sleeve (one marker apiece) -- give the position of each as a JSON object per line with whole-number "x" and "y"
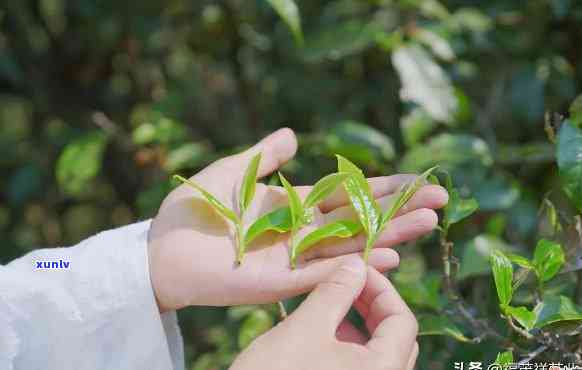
{"x": 92, "y": 308}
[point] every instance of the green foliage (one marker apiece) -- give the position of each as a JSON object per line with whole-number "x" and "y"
{"x": 504, "y": 358}
{"x": 80, "y": 162}
{"x": 89, "y": 139}
{"x": 555, "y": 309}
{"x": 249, "y": 183}
{"x": 257, "y": 323}
{"x": 503, "y": 275}
{"x": 440, "y": 325}
{"x": 548, "y": 259}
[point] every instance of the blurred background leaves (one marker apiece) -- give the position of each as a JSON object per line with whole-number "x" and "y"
{"x": 101, "y": 101}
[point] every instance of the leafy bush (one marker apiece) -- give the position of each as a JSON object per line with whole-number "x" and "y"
{"x": 101, "y": 102}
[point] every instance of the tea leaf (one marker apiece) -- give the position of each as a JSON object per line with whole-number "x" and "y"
{"x": 278, "y": 220}
{"x": 503, "y": 276}
{"x": 338, "y": 229}
{"x": 458, "y": 208}
{"x": 295, "y": 204}
{"x": 440, "y": 325}
{"x": 249, "y": 184}
{"x": 289, "y": 13}
{"x": 520, "y": 261}
{"x": 504, "y": 358}
{"x": 215, "y": 203}
{"x": 555, "y": 309}
{"x": 323, "y": 188}
{"x": 524, "y": 317}
{"x": 548, "y": 259}
{"x": 406, "y": 194}
{"x": 360, "y": 196}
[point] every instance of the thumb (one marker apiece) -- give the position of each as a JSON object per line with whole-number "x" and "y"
{"x": 330, "y": 301}
{"x": 276, "y": 148}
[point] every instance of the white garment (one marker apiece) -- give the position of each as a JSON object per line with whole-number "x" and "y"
{"x": 99, "y": 313}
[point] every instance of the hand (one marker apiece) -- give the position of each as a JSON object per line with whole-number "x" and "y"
{"x": 317, "y": 336}
{"x": 192, "y": 250}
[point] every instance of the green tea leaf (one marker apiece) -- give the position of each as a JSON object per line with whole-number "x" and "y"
{"x": 548, "y": 259}
{"x": 520, "y": 261}
{"x": 249, "y": 184}
{"x": 440, "y": 325}
{"x": 503, "y": 276}
{"x": 257, "y": 323}
{"x": 215, "y": 203}
{"x": 522, "y": 315}
{"x": 504, "y": 358}
{"x": 278, "y": 220}
{"x": 295, "y": 205}
{"x": 360, "y": 196}
{"x": 555, "y": 309}
{"x": 569, "y": 147}
{"x": 289, "y": 13}
{"x": 323, "y": 188}
{"x": 338, "y": 229}
{"x": 406, "y": 194}
{"x": 80, "y": 162}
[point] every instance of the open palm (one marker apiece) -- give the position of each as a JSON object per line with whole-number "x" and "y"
{"x": 192, "y": 248}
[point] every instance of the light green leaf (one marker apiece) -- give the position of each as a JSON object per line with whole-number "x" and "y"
{"x": 215, "y": 203}
{"x": 289, "y": 13}
{"x": 278, "y": 220}
{"x": 425, "y": 83}
{"x": 323, "y": 188}
{"x": 337, "y": 229}
{"x": 522, "y": 315}
{"x": 360, "y": 196}
{"x": 80, "y": 162}
{"x": 440, "y": 325}
{"x": 405, "y": 195}
{"x": 548, "y": 259}
{"x": 295, "y": 205}
{"x": 185, "y": 156}
{"x": 249, "y": 183}
{"x": 416, "y": 126}
{"x": 257, "y": 323}
{"x": 503, "y": 276}
{"x": 504, "y": 358}
{"x": 520, "y": 261}
{"x": 569, "y": 147}
{"x": 554, "y": 309}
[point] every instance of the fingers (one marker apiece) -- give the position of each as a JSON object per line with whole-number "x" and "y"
{"x": 429, "y": 196}
{"x": 413, "y": 357}
{"x": 392, "y": 325}
{"x": 402, "y": 229}
{"x": 277, "y": 148}
{"x": 347, "y": 332}
{"x": 330, "y": 301}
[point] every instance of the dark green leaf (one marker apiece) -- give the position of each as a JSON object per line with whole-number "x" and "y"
{"x": 503, "y": 275}
{"x": 569, "y": 149}
{"x": 554, "y": 309}
{"x": 289, "y": 13}
{"x": 278, "y": 220}
{"x": 295, "y": 205}
{"x": 548, "y": 259}
{"x": 440, "y": 325}
{"x": 337, "y": 229}
{"x": 458, "y": 208}
{"x": 323, "y": 188}
{"x": 256, "y": 324}
{"x": 80, "y": 162}
{"x": 215, "y": 203}
{"x": 249, "y": 183}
